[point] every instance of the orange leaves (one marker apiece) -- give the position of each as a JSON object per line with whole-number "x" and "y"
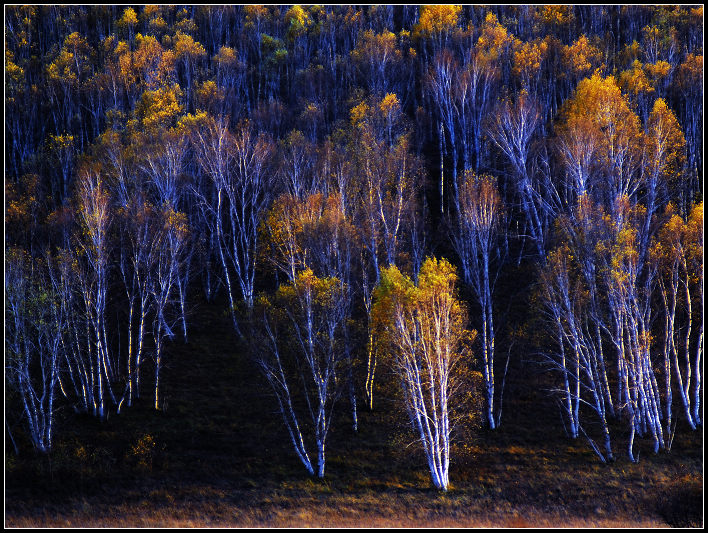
{"x": 209, "y": 96}
{"x": 658, "y": 71}
{"x": 186, "y": 48}
{"x": 582, "y": 58}
{"x": 494, "y": 42}
{"x": 634, "y": 80}
{"x": 599, "y": 114}
{"x": 680, "y": 240}
{"x": 555, "y": 16}
{"x": 358, "y": 113}
{"x": 438, "y": 19}
{"x": 305, "y": 233}
{"x": 71, "y": 64}
{"x": 175, "y": 223}
{"x": 376, "y": 47}
{"x": 596, "y": 97}
{"x": 14, "y": 75}
{"x": 226, "y": 58}
{"x": 61, "y": 142}
{"x": 21, "y": 203}
{"x": 145, "y": 66}
{"x": 390, "y": 105}
{"x": 528, "y": 59}
{"x": 690, "y": 73}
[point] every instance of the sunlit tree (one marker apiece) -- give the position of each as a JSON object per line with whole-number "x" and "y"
{"x": 425, "y": 330}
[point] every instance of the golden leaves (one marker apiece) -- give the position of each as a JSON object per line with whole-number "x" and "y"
{"x": 438, "y": 19}
{"x": 426, "y": 316}
{"x": 186, "y": 48}
{"x": 358, "y": 113}
{"x": 160, "y": 108}
{"x": 665, "y": 141}
{"x": 528, "y": 58}
{"x": 494, "y": 41}
{"x": 129, "y": 18}
{"x": 635, "y": 81}
{"x": 390, "y": 104}
{"x": 582, "y": 58}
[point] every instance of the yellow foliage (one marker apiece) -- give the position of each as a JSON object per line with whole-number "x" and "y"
{"x": 493, "y": 41}
{"x": 296, "y": 229}
{"x": 430, "y": 308}
{"x": 581, "y": 58}
{"x": 690, "y": 72}
{"x": 307, "y": 294}
{"x": 378, "y": 46}
{"x": 14, "y": 74}
{"x": 129, "y": 18}
{"x": 665, "y": 141}
{"x": 528, "y": 59}
{"x": 158, "y": 25}
{"x": 658, "y": 70}
{"x": 254, "y": 13}
{"x": 358, "y": 113}
{"x": 160, "y": 108}
{"x": 209, "y": 95}
{"x": 634, "y": 80}
{"x": 555, "y": 15}
{"x": 192, "y": 121}
{"x": 186, "y": 48}
{"x": 226, "y": 57}
{"x": 175, "y": 222}
{"x": 438, "y": 19}
{"x": 600, "y": 111}
{"x": 389, "y": 104}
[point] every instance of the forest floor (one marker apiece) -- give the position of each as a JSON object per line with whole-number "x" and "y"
{"x": 218, "y": 455}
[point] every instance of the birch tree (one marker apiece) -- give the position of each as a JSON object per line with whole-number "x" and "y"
{"x": 298, "y": 348}
{"x": 678, "y": 251}
{"x": 511, "y": 127}
{"x": 237, "y": 165}
{"x": 34, "y": 322}
{"x": 475, "y": 240}
{"x": 94, "y": 217}
{"x": 579, "y": 353}
{"x": 172, "y": 237}
{"x": 426, "y": 332}
{"x": 315, "y": 233}
{"x": 138, "y": 255}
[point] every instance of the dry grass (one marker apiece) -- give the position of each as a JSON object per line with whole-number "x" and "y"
{"x": 219, "y": 457}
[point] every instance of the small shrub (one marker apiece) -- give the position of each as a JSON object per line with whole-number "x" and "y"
{"x": 143, "y": 452}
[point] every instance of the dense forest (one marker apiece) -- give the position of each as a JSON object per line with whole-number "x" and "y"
{"x": 423, "y": 192}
